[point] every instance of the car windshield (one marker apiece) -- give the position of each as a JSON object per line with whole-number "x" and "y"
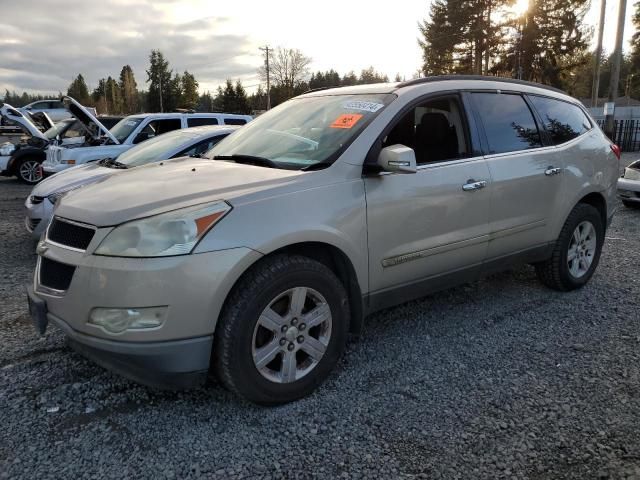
{"x": 157, "y": 148}
{"x": 302, "y": 132}
{"x": 124, "y": 127}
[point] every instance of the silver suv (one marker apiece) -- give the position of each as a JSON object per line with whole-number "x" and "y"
{"x": 331, "y": 206}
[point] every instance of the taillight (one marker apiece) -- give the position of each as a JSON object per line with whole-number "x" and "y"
{"x": 616, "y": 150}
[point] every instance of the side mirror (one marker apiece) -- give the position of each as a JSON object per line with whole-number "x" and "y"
{"x": 397, "y": 158}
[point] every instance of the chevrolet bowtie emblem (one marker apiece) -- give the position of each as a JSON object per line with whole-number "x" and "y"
{"x": 42, "y": 247}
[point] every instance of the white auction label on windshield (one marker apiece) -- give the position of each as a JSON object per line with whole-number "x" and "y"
{"x": 366, "y": 106}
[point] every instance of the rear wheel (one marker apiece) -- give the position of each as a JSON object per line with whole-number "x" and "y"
{"x": 282, "y": 330}
{"x": 29, "y": 171}
{"x": 576, "y": 252}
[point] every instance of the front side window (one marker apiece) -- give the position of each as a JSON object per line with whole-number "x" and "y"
{"x": 158, "y": 127}
{"x": 508, "y": 123}
{"x": 562, "y": 120}
{"x": 434, "y": 130}
{"x": 304, "y": 131}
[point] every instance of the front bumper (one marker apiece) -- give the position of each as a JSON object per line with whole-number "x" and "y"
{"x": 49, "y": 169}
{"x": 192, "y": 287}
{"x": 172, "y": 364}
{"x": 629, "y": 190}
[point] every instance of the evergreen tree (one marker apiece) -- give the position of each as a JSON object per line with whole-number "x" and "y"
{"x": 441, "y": 33}
{"x": 242, "y": 101}
{"x": 228, "y": 97}
{"x": 369, "y": 75}
{"x": 349, "y": 79}
{"x": 78, "y": 90}
{"x": 128, "y": 90}
{"x": 159, "y": 78}
{"x": 190, "y": 98}
{"x": 113, "y": 96}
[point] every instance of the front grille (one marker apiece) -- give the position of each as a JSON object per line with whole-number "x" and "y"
{"x": 31, "y": 223}
{"x": 55, "y": 275}
{"x": 70, "y": 234}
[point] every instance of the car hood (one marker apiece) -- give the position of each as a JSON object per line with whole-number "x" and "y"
{"x": 15, "y": 116}
{"x": 72, "y": 178}
{"x": 172, "y": 184}
{"x": 87, "y": 118}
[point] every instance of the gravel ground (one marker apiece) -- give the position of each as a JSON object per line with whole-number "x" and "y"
{"x": 502, "y": 378}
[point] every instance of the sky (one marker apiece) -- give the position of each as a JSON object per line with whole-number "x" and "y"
{"x": 44, "y": 44}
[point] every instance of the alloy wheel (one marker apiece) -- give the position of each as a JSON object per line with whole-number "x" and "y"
{"x": 582, "y": 249}
{"x": 30, "y": 171}
{"x": 292, "y": 335}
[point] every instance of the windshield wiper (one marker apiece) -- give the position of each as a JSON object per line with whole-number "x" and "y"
{"x": 112, "y": 163}
{"x": 250, "y": 159}
{"x": 316, "y": 166}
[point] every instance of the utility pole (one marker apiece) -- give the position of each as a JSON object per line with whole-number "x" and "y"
{"x": 266, "y": 49}
{"x": 615, "y": 70}
{"x": 595, "y": 86}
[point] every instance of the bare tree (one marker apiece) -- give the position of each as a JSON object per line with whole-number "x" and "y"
{"x": 287, "y": 68}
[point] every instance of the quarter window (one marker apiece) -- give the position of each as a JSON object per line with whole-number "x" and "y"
{"x": 198, "y": 121}
{"x": 562, "y": 120}
{"x": 234, "y": 121}
{"x": 508, "y": 123}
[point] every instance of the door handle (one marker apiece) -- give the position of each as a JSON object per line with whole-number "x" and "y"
{"x": 552, "y": 171}
{"x": 473, "y": 185}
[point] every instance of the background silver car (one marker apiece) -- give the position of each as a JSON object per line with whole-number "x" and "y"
{"x": 328, "y": 207}
{"x": 629, "y": 185}
{"x": 187, "y": 142}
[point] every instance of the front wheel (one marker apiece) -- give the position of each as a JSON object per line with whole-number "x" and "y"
{"x": 576, "y": 252}
{"x": 29, "y": 171}
{"x": 282, "y": 330}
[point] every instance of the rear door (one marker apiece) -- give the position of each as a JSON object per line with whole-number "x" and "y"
{"x": 525, "y": 172}
{"x": 426, "y": 224}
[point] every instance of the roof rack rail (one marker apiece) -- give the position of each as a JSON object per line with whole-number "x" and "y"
{"x": 185, "y": 110}
{"x": 318, "y": 89}
{"x": 486, "y": 78}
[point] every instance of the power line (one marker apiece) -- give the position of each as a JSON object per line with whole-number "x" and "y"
{"x": 266, "y": 50}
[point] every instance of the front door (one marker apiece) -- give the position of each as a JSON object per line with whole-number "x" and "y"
{"x": 435, "y": 221}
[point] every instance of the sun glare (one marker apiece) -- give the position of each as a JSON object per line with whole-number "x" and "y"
{"x": 520, "y": 7}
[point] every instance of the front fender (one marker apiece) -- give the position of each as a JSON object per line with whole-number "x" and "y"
{"x": 36, "y": 153}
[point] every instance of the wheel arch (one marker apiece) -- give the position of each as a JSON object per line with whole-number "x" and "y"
{"x": 333, "y": 258}
{"x": 24, "y": 153}
{"x": 598, "y": 201}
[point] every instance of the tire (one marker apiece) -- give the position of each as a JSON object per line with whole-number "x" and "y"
{"x": 559, "y": 272}
{"x": 28, "y": 170}
{"x": 241, "y": 337}
{"x": 629, "y": 204}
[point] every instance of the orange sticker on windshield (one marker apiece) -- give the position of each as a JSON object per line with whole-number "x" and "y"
{"x": 346, "y": 120}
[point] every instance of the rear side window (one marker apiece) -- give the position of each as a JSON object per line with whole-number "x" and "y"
{"x": 234, "y": 121}
{"x": 199, "y": 121}
{"x": 508, "y": 122}
{"x": 562, "y": 120}
{"x": 158, "y": 127}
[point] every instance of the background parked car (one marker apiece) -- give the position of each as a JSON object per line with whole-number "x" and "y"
{"x": 130, "y": 131}
{"x": 54, "y": 108}
{"x": 629, "y": 185}
{"x": 24, "y": 160}
{"x": 187, "y": 142}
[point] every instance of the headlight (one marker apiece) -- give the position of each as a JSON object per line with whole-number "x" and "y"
{"x": 167, "y": 234}
{"x": 54, "y": 197}
{"x": 7, "y": 149}
{"x": 631, "y": 174}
